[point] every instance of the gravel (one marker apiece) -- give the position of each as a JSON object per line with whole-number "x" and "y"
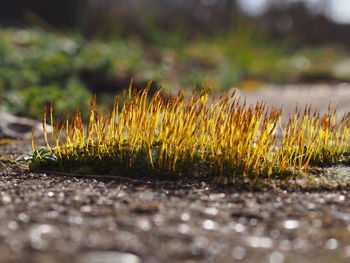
{"x": 58, "y": 218}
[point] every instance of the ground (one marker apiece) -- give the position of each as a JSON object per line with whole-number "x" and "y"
{"x": 59, "y": 218}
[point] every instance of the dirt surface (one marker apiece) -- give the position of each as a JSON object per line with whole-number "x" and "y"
{"x": 58, "y": 218}
{"x": 288, "y": 96}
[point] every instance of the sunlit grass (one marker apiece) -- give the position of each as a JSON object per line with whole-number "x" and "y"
{"x": 199, "y": 136}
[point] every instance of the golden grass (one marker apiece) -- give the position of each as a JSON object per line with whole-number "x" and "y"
{"x": 200, "y": 136}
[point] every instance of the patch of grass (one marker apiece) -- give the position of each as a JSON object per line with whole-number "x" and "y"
{"x": 37, "y": 67}
{"x": 68, "y": 68}
{"x": 202, "y": 136}
{"x": 254, "y": 55}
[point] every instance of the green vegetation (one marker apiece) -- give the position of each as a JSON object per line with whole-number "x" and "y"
{"x": 37, "y": 67}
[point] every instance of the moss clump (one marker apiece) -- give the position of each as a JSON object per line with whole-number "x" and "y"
{"x": 202, "y": 136}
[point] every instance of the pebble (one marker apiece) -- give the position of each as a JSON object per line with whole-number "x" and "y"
{"x": 211, "y": 211}
{"x": 217, "y": 196}
{"x": 332, "y": 244}
{"x": 185, "y": 217}
{"x": 39, "y": 235}
{"x": 6, "y": 199}
{"x": 143, "y": 224}
{"x": 108, "y": 257}
{"x": 291, "y": 224}
{"x": 259, "y": 242}
{"x": 209, "y": 224}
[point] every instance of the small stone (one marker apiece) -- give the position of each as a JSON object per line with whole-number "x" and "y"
{"x": 216, "y": 196}
{"x": 211, "y": 211}
{"x": 332, "y": 244}
{"x": 147, "y": 196}
{"x": 158, "y": 220}
{"x": 341, "y": 198}
{"x": 144, "y": 224}
{"x": 185, "y": 217}
{"x": 23, "y": 217}
{"x": 39, "y": 235}
{"x": 6, "y": 199}
{"x": 239, "y": 228}
{"x": 209, "y": 224}
{"x": 85, "y": 209}
{"x": 108, "y": 257}
{"x": 311, "y": 206}
{"x": 291, "y": 224}
{"x": 259, "y": 242}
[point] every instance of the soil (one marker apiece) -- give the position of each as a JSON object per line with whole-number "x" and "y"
{"x": 60, "y": 218}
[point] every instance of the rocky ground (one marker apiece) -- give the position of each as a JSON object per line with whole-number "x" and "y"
{"x": 60, "y": 218}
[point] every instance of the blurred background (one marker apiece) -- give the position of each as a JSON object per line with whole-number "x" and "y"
{"x": 69, "y": 49}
